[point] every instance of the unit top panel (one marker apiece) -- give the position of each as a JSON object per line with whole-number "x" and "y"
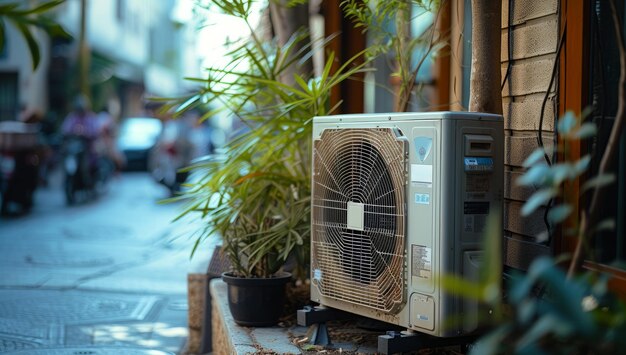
{"x": 408, "y": 116}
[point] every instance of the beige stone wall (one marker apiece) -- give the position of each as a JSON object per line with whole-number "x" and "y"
{"x": 534, "y": 40}
{"x": 221, "y": 339}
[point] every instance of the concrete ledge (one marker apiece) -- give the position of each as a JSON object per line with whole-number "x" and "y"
{"x": 230, "y": 338}
{"x": 197, "y": 286}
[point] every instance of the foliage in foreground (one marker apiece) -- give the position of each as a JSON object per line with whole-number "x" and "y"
{"x": 547, "y": 312}
{"x": 23, "y": 19}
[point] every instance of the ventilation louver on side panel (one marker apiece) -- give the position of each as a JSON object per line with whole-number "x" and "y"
{"x": 358, "y": 231}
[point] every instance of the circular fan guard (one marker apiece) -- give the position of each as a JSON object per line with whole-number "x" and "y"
{"x": 364, "y": 167}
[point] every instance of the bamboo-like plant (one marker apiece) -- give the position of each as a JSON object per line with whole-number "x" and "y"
{"x": 257, "y": 198}
{"x": 548, "y": 312}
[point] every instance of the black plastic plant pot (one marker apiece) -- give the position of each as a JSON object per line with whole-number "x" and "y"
{"x": 256, "y": 302}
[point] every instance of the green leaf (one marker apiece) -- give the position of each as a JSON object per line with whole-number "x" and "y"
{"x": 522, "y": 288}
{"x": 191, "y": 102}
{"x": 582, "y": 165}
{"x": 535, "y": 176}
{"x": 465, "y": 288}
{"x": 194, "y": 248}
{"x": 8, "y": 8}
{"x": 605, "y": 225}
{"x": 30, "y": 41}
{"x": 491, "y": 267}
{"x": 566, "y": 123}
{"x": 301, "y": 83}
{"x": 526, "y": 311}
{"x": 45, "y": 7}
{"x": 561, "y": 172}
{"x": 559, "y": 213}
{"x": 534, "y": 158}
{"x": 491, "y": 343}
{"x": 587, "y": 130}
{"x": 2, "y": 34}
{"x": 548, "y": 324}
{"x": 598, "y": 181}
{"x": 538, "y": 199}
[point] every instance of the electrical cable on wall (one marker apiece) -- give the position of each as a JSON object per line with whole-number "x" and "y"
{"x": 509, "y": 49}
{"x": 541, "y": 118}
{"x": 545, "y": 98}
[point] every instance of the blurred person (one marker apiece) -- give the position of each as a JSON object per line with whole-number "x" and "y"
{"x": 81, "y": 163}
{"x": 106, "y": 146}
{"x": 81, "y": 121}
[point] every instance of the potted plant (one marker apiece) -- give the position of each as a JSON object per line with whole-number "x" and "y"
{"x": 256, "y": 197}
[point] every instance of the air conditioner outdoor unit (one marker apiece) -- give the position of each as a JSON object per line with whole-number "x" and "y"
{"x": 398, "y": 199}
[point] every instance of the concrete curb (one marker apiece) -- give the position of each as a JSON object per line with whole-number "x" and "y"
{"x": 230, "y": 338}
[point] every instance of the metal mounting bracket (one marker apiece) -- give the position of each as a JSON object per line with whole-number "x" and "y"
{"x": 405, "y": 341}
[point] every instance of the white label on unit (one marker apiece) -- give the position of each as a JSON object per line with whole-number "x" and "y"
{"x": 317, "y": 274}
{"x": 422, "y": 173}
{"x": 421, "y": 265}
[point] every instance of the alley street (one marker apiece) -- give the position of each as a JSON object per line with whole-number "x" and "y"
{"x": 107, "y": 273}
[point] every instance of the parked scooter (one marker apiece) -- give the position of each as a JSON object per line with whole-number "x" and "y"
{"x": 19, "y": 166}
{"x": 86, "y": 175}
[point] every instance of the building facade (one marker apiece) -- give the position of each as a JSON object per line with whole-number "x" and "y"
{"x": 556, "y": 56}
{"x": 138, "y": 49}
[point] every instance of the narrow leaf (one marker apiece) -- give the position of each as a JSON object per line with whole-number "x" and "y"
{"x": 30, "y": 41}
{"x": 538, "y": 199}
{"x": 533, "y": 158}
{"x": 561, "y": 172}
{"x": 605, "y": 225}
{"x": 2, "y": 35}
{"x": 587, "y": 130}
{"x": 545, "y": 325}
{"x": 491, "y": 270}
{"x": 534, "y": 176}
{"x": 582, "y": 164}
{"x": 566, "y": 123}
{"x": 43, "y": 7}
{"x": 598, "y": 181}
{"x": 491, "y": 343}
{"x": 559, "y": 213}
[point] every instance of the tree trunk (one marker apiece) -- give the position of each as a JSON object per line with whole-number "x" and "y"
{"x": 84, "y": 54}
{"x": 485, "y": 92}
{"x": 403, "y": 57}
{"x": 287, "y": 20}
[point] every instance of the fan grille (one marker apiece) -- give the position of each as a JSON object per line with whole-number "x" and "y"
{"x": 363, "y": 264}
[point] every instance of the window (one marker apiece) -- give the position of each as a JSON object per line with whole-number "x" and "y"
{"x": 609, "y": 246}
{"x": 8, "y": 96}
{"x": 381, "y": 84}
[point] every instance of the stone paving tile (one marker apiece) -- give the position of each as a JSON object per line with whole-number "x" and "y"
{"x": 12, "y": 345}
{"x": 41, "y": 318}
{"x": 73, "y": 307}
{"x": 19, "y": 276}
{"x": 107, "y": 272}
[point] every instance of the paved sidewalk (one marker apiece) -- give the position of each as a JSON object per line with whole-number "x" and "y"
{"x": 109, "y": 274}
{"x": 31, "y": 319}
